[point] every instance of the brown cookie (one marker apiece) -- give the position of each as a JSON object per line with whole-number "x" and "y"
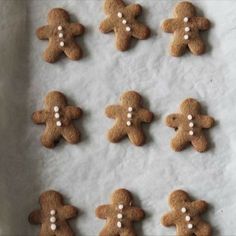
{"x": 119, "y": 215}
{"x": 61, "y": 34}
{"x": 129, "y": 116}
{"x": 186, "y": 27}
{"x": 185, "y": 215}
{"x": 53, "y": 215}
{"x": 122, "y": 20}
{"x": 58, "y": 118}
{"x": 189, "y": 125}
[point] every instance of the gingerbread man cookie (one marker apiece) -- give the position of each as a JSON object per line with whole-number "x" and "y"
{"x": 189, "y": 125}
{"x": 186, "y": 27}
{"x": 58, "y": 117}
{"x": 185, "y": 215}
{"x": 122, "y": 20}
{"x": 129, "y": 116}
{"x": 119, "y": 215}
{"x": 53, "y": 215}
{"x": 61, "y": 34}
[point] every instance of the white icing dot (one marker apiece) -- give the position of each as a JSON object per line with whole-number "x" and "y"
{"x": 190, "y": 117}
{"x": 191, "y": 133}
{"x": 190, "y": 226}
{"x": 191, "y": 124}
{"x": 53, "y": 219}
{"x": 128, "y": 123}
{"x": 57, "y": 115}
{"x": 186, "y": 37}
{"x": 124, "y": 22}
{"x": 59, "y": 27}
{"x": 62, "y": 44}
{"x": 128, "y": 29}
{"x": 187, "y": 29}
{"x": 130, "y": 109}
{"x": 60, "y": 35}
{"x": 119, "y": 225}
{"x": 56, "y": 108}
{"x": 183, "y": 209}
{"x": 119, "y": 14}
{"x": 53, "y": 227}
{"x": 129, "y": 115}
{"x": 52, "y": 212}
{"x": 186, "y": 19}
{"x": 121, "y": 206}
{"x": 187, "y": 218}
{"x": 58, "y": 123}
{"x": 119, "y": 216}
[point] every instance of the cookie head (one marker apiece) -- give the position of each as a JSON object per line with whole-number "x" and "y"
{"x": 130, "y": 99}
{"x": 122, "y": 197}
{"x": 58, "y": 16}
{"x": 178, "y": 198}
{"x": 50, "y": 199}
{"x": 112, "y": 6}
{"x": 190, "y": 106}
{"x": 185, "y": 9}
{"x": 54, "y": 99}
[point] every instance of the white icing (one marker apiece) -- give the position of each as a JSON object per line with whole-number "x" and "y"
{"x": 191, "y": 133}
{"x": 121, "y": 206}
{"x": 119, "y": 216}
{"x": 59, "y": 123}
{"x": 62, "y": 44}
{"x": 187, "y": 29}
{"x": 190, "y": 226}
{"x": 52, "y": 219}
{"x": 128, "y": 123}
{"x": 190, "y": 117}
{"x": 191, "y": 124}
{"x": 53, "y": 227}
{"x": 186, "y": 37}
{"x": 52, "y": 212}
{"x": 187, "y": 218}
{"x": 129, "y": 115}
{"x": 130, "y": 109}
{"x": 124, "y": 22}
{"x": 60, "y": 35}
{"x": 57, "y": 115}
{"x": 128, "y": 29}
{"x": 59, "y": 27}
{"x": 183, "y": 209}
{"x": 56, "y": 108}
{"x": 119, "y": 225}
{"x": 119, "y": 14}
{"x": 186, "y": 19}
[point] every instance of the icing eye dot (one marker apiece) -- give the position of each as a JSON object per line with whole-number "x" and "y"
{"x": 186, "y": 37}
{"x": 191, "y": 133}
{"x": 183, "y": 209}
{"x": 58, "y": 123}
{"x": 186, "y": 19}
{"x": 53, "y": 227}
{"x": 128, "y": 29}
{"x": 53, "y": 219}
{"x": 119, "y": 14}
{"x": 60, "y": 35}
{"x": 187, "y": 29}
{"x": 129, "y": 115}
{"x": 121, "y": 206}
{"x": 57, "y": 115}
{"x": 124, "y": 22}
{"x": 191, "y": 124}
{"x": 190, "y": 117}
{"x": 56, "y": 108}
{"x": 190, "y": 226}
{"x": 130, "y": 109}
{"x": 59, "y": 27}
{"x": 128, "y": 123}
{"x": 119, "y": 225}
{"x": 62, "y": 44}
{"x": 52, "y": 212}
{"x": 187, "y": 218}
{"x": 119, "y": 216}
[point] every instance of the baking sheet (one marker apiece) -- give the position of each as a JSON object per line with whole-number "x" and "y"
{"x": 88, "y": 172}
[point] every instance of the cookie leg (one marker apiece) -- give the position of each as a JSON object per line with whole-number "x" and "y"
{"x": 203, "y": 229}
{"x": 65, "y": 229}
{"x": 122, "y": 41}
{"x": 48, "y": 139}
{"x": 52, "y": 53}
{"x": 200, "y": 143}
{"x": 73, "y": 51}
{"x": 128, "y": 232}
{"x": 179, "y": 142}
{"x": 71, "y": 134}
{"x": 140, "y": 31}
{"x": 177, "y": 49}
{"x": 115, "y": 134}
{"x": 197, "y": 47}
{"x": 136, "y": 136}
{"x": 180, "y": 231}
{"x": 107, "y": 231}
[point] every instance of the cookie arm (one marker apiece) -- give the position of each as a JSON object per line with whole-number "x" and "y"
{"x": 145, "y": 115}
{"x": 113, "y": 111}
{"x": 199, "y": 206}
{"x": 43, "y": 32}
{"x": 172, "y": 120}
{"x": 35, "y": 217}
{"x": 39, "y": 117}
{"x": 133, "y": 9}
{"x": 73, "y": 112}
{"x": 135, "y": 214}
{"x": 106, "y": 26}
{"x": 102, "y": 211}
{"x": 203, "y": 23}
{"x": 77, "y": 29}
{"x": 168, "y": 219}
{"x": 206, "y": 121}
{"x": 169, "y": 25}
{"x": 68, "y": 212}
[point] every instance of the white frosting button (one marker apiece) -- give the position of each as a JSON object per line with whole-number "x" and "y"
{"x": 186, "y": 37}
{"x": 53, "y": 227}
{"x": 186, "y": 19}
{"x": 119, "y": 225}
{"x": 59, "y": 27}
{"x": 119, "y": 216}
{"x": 52, "y": 212}
{"x": 128, "y": 29}
{"x": 59, "y": 123}
{"x": 119, "y": 14}
{"x": 190, "y": 117}
{"x": 57, "y": 115}
{"x": 191, "y": 133}
{"x": 187, "y": 29}
{"x": 191, "y": 124}
{"x": 60, "y": 35}
{"x": 53, "y": 219}
{"x": 129, "y": 115}
{"x": 62, "y": 44}
{"x": 121, "y": 206}
{"x": 187, "y": 218}
{"x": 124, "y": 22}
{"x": 56, "y": 108}
{"x": 190, "y": 226}
{"x": 130, "y": 109}
{"x": 128, "y": 123}
{"x": 183, "y": 209}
